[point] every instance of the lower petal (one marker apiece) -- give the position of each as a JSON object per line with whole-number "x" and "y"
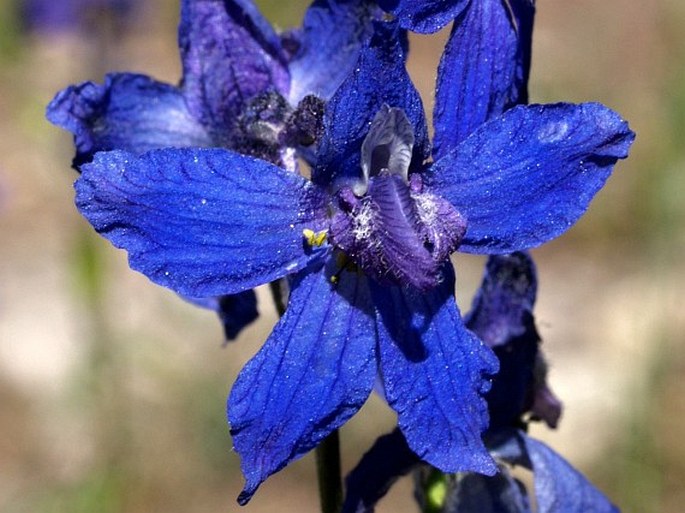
{"x": 434, "y": 371}
{"x": 313, "y": 373}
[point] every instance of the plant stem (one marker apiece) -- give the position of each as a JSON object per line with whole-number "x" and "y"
{"x": 328, "y": 471}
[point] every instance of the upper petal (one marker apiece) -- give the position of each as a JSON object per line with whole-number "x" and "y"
{"x": 313, "y": 373}
{"x": 128, "y": 112}
{"x": 424, "y": 16}
{"x": 203, "y": 222}
{"x": 379, "y": 79}
{"x": 434, "y": 371}
{"x": 484, "y": 68}
{"x": 525, "y": 177}
{"x": 331, "y": 38}
{"x": 229, "y": 54}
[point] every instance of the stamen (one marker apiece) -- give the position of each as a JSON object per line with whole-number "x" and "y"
{"x": 315, "y": 239}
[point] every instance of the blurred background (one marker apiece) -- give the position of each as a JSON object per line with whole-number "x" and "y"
{"x": 112, "y": 390}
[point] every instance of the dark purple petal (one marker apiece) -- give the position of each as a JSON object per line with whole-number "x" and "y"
{"x": 388, "y": 459}
{"x": 313, "y": 373}
{"x": 381, "y": 233}
{"x": 235, "y": 310}
{"x": 502, "y": 316}
{"x": 560, "y": 488}
{"x": 434, "y": 372}
{"x": 484, "y": 69}
{"x": 331, "y": 39}
{"x": 505, "y": 297}
{"x": 379, "y": 79}
{"x": 230, "y": 54}
{"x": 424, "y": 16}
{"x": 441, "y": 224}
{"x": 203, "y": 222}
{"x": 129, "y": 112}
{"x": 525, "y": 177}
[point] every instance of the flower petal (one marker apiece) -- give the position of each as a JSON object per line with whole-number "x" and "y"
{"x": 313, "y": 373}
{"x": 525, "y": 177}
{"x": 230, "y": 53}
{"x": 484, "y": 69}
{"x": 505, "y": 297}
{"x": 235, "y": 310}
{"x": 331, "y": 39}
{"x": 560, "y": 488}
{"x": 434, "y": 375}
{"x": 424, "y": 16}
{"x": 203, "y": 222}
{"x": 388, "y": 459}
{"x": 129, "y": 112}
{"x": 379, "y": 79}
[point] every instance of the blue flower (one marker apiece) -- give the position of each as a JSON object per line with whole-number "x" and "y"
{"x": 366, "y": 244}
{"x": 238, "y": 80}
{"x": 235, "y": 69}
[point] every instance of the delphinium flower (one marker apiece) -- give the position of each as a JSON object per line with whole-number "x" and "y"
{"x": 365, "y": 244}
{"x": 502, "y": 316}
{"x": 243, "y": 87}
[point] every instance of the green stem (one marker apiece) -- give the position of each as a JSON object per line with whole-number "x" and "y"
{"x": 330, "y": 476}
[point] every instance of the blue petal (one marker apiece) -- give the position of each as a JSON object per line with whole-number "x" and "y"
{"x": 314, "y": 372}
{"x": 332, "y": 36}
{"x": 525, "y": 177}
{"x": 560, "y": 488}
{"x": 424, "y": 16}
{"x": 203, "y": 222}
{"x": 380, "y": 78}
{"x": 235, "y": 310}
{"x": 434, "y": 375}
{"x": 129, "y": 112}
{"x": 484, "y": 69}
{"x": 388, "y": 459}
{"x": 229, "y": 54}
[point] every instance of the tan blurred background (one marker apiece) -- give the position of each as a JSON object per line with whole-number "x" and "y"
{"x": 112, "y": 390}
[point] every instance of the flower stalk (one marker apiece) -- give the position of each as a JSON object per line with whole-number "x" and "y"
{"x": 329, "y": 473}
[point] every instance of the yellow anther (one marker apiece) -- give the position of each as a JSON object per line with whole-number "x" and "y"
{"x": 315, "y": 239}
